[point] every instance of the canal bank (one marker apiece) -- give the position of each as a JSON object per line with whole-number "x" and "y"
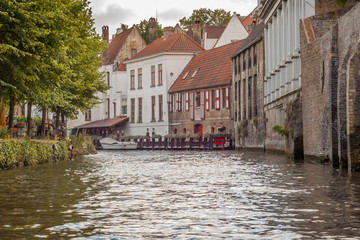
{"x": 24, "y": 152}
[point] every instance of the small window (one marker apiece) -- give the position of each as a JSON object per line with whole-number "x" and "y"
{"x": 196, "y": 71}
{"x": 197, "y": 99}
{"x": 108, "y": 79}
{"x": 153, "y": 76}
{"x": 186, "y": 74}
{"x": 133, "y": 52}
{"x": 88, "y": 115}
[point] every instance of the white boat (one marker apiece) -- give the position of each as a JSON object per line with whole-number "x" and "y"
{"x": 112, "y": 144}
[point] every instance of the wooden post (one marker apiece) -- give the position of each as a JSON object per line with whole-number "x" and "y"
{"x": 211, "y": 142}
{"x": 191, "y": 143}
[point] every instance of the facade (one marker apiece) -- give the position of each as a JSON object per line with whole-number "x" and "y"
{"x": 282, "y": 83}
{"x": 331, "y": 86}
{"x": 211, "y": 35}
{"x": 124, "y": 45}
{"x": 234, "y": 31}
{"x": 200, "y": 97}
{"x": 247, "y": 91}
{"x": 150, "y": 74}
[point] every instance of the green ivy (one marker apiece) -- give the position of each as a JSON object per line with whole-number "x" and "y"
{"x": 280, "y": 130}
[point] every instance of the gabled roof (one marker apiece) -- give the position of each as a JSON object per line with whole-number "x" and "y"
{"x": 247, "y": 20}
{"x": 115, "y": 46}
{"x": 178, "y": 42}
{"x": 214, "y": 69}
{"x": 214, "y": 31}
{"x": 121, "y": 67}
{"x": 256, "y": 35}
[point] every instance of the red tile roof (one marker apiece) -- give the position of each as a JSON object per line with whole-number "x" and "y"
{"x": 175, "y": 43}
{"x": 246, "y": 21}
{"x": 104, "y": 123}
{"x": 214, "y": 31}
{"x": 214, "y": 69}
{"x": 121, "y": 67}
{"x": 115, "y": 46}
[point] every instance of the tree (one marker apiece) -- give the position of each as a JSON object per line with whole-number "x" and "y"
{"x": 217, "y": 17}
{"x": 143, "y": 27}
{"x": 342, "y": 3}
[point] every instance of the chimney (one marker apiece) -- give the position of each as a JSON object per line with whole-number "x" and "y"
{"x": 197, "y": 31}
{"x": 190, "y": 32}
{"x": 168, "y": 31}
{"x": 105, "y": 33}
{"x": 152, "y": 30}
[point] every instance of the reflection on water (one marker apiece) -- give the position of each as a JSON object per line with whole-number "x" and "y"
{"x": 179, "y": 195}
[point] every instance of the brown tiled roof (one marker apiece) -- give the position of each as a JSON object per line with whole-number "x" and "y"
{"x": 214, "y": 69}
{"x": 103, "y": 123}
{"x": 256, "y": 35}
{"x": 175, "y": 43}
{"x": 214, "y": 31}
{"x": 247, "y": 20}
{"x": 115, "y": 46}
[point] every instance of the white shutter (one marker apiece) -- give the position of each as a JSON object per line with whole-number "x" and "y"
{"x": 202, "y": 105}
{"x": 192, "y": 109}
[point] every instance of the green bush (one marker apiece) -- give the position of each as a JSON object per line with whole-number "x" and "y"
{"x": 4, "y": 131}
{"x": 280, "y": 130}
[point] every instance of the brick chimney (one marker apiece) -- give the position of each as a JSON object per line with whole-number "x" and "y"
{"x": 168, "y": 31}
{"x": 152, "y": 30}
{"x": 197, "y": 31}
{"x": 105, "y": 33}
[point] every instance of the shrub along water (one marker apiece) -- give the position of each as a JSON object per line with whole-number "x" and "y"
{"x": 16, "y": 152}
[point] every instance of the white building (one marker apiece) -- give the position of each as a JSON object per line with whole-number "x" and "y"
{"x": 282, "y": 45}
{"x": 124, "y": 45}
{"x": 234, "y": 31}
{"x": 150, "y": 75}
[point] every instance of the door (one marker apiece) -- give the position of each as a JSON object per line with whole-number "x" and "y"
{"x": 198, "y": 129}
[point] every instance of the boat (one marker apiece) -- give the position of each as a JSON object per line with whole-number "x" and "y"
{"x": 112, "y": 144}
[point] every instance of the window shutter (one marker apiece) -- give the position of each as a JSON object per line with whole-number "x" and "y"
{"x": 202, "y": 105}
{"x": 192, "y": 109}
{"x": 217, "y": 99}
{"x": 207, "y": 100}
{"x": 227, "y": 91}
{"x": 171, "y": 103}
{"x": 187, "y": 101}
{"x": 177, "y": 102}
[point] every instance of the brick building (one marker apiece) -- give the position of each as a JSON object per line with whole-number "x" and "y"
{"x": 200, "y": 97}
{"x": 330, "y": 45}
{"x": 248, "y": 91}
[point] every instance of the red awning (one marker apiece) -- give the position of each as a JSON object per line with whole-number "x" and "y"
{"x": 103, "y": 123}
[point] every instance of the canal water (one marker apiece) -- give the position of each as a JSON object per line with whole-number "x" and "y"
{"x": 179, "y": 195}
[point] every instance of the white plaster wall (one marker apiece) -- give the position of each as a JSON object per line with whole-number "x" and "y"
{"x": 209, "y": 43}
{"x": 172, "y": 66}
{"x": 233, "y": 31}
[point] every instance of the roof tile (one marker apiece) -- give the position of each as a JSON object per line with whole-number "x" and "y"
{"x": 214, "y": 69}
{"x": 115, "y": 46}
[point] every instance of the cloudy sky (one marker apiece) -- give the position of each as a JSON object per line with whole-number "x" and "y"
{"x": 114, "y": 12}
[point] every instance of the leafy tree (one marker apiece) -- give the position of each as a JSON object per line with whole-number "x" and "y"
{"x": 143, "y": 27}
{"x": 217, "y": 17}
{"x": 342, "y": 3}
{"x": 124, "y": 27}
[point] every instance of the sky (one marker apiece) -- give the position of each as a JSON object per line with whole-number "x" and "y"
{"x": 114, "y": 12}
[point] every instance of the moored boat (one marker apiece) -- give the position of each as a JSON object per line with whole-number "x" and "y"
{"x": 112, "y": 144}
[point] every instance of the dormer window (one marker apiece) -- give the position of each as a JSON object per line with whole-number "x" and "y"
{"x": 196, "y": 71}
{"x": 186, "y": 74}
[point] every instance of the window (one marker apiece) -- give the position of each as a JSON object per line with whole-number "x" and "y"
{"x": 186, "y": 74}
{"x": 239, "y": 99}
{"x": 238, "y": 64}
{"x": 124, "y": 109}
{"x": 161, "y": 113}
{"x": 140, "y": 110}
{"x": 88, "y": 115}
{"x": 255, "y": 55}
{"x": 114, "y": 105}
{"x": 212, "y": 99}
{"x": 223, "y": 92}
{"x": 249, "y": 57}
{"x": 153, "y": 109}
{"x": 160, "y": 82}
{"x": 195, "y": 72}
{"x": 139, "y": 78}
{"x": 132, "y": 116}
{"x": 235, "y": 66}
{"x": 132, "y": 79}
{"x": 255, "y": 96}
{"x": 250, "y": 97}
{"x": 197, "y": 99}
{"x": 108, "y": 107}
{"x": 133, "y": 52}
{"x": 108, "y": 79}
{"x": 152, "y": 76}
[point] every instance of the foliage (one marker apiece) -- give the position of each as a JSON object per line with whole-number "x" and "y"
{"x": 14, "y": 153}
{"x": 342, "y": 3}
{"x": 280, "y": 130}
{"x": 133, "y": 137}
{"x": 80, "y": 139}
{"x": 143, "y": 28}
{"x": 49, "y": 54}
{"x": 242, "y": 129}
{"x": 183, "y": 135}
{"x": 228, "y": 135}
{"x": 4, "y": 131}
{"x": 217, "y": 17}
{"x": 124, "y": 27}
